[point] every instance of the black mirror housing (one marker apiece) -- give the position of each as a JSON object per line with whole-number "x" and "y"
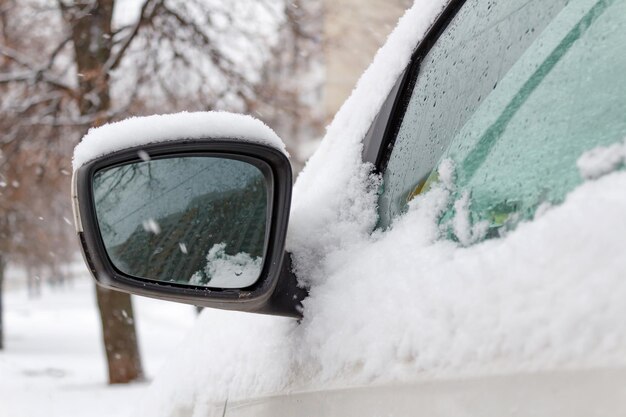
{"x": 274, "y": 292}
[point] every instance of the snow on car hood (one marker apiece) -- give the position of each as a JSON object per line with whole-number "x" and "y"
{"x": 405, "y": 304}
{"x": 137, "y": 131}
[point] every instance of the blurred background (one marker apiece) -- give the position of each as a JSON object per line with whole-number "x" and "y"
{"x": 66, "y": 66}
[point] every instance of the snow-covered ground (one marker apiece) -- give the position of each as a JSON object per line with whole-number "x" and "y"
{"x": 53, "y": 363}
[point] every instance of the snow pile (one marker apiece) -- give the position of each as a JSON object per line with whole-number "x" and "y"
{"x": 601, "y": 160}
{"x": 137, "y": 131}
{"x": 466, "y": 232}
{"x": 549, "y": 294}
{"x": 404, "y": 305}
{"x": 221, "y": 268}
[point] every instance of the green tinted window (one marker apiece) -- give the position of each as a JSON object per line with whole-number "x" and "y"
{"x": 476, "y": 50}
{"x": 563, "y": 94}
{"x": 566, "y": 95}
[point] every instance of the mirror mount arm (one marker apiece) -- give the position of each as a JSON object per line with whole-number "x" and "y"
{"x": 286, "y": 300}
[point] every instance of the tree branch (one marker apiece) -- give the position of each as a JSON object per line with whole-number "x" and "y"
{"x": 225, "y": 65}
{"x": 57, "y": 51}
{"x": 32, "y": 74}
{"x": 148, "y": 11}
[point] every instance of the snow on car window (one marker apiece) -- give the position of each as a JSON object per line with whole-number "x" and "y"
{"x": 467, "y": 64}
{"x": 602, "y": 160}
{"x": 519, "y": 151}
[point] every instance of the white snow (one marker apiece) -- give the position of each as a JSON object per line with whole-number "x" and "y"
{"x": 228, "y": 271}
{"x": 464, "y": 230}
{"x": 53, "y": 364}
{"x": 143, "y": 155}
{"x": 137, "y": 131}
{"x": 601, "y": 160}
{"x": 150, "y": 225}
{"x": 405, "y": 305}
{"x": 446, "y": 172}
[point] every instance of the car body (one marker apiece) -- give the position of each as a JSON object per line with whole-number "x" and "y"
{"x": 482, "y": 129}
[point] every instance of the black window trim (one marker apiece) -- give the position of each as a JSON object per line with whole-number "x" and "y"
{"x": 380, "y": 139}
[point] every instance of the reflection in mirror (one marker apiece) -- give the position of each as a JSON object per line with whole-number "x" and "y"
{"x": 187, "y": 220}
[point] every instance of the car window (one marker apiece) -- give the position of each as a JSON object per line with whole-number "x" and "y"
{"x": 514, "y": 123}
{"x": 565, "y": 96}
{"x": 476, "y": 49}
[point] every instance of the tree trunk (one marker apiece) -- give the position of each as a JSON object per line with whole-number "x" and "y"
{"x": 90, "y": 25}
{"x": 2, "y": 267}
{"x": 120, "y": 339}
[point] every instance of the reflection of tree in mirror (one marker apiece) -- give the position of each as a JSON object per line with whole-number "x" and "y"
{"x": 109, "y": 181}
{"x": 235, "y": 218}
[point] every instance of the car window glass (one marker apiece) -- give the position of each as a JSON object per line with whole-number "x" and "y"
{"x": 475, "y": 51}
{"x": 565, "y": 96}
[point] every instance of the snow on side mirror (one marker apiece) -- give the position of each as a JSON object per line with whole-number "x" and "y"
{"x": 189, "y": 207}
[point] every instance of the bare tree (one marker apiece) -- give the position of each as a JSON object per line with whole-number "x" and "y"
{"x": 290, "y": 93}
{"x": 67, "y": 66}
{"x": 1, "y": 307}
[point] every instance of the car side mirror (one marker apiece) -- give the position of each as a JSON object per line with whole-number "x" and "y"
{"x": 188, "y": 212}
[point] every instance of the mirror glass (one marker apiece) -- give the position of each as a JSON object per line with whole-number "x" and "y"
{"x": 189, "y": 220}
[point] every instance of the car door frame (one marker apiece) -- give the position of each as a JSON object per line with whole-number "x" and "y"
{"x": 381, "y": 136}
